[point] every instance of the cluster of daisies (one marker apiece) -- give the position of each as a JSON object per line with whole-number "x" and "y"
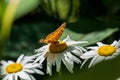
{"x": 66, "y": 51}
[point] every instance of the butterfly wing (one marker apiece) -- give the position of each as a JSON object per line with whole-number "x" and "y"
{"x": 54, "y": 36}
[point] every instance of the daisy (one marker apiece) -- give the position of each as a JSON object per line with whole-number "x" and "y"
{"x": 65, "y": 51}
{"x": 101, "y": 52}
{"x": 22, "y": 69}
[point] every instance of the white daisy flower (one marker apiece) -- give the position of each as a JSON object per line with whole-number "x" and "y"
{"x": 65, "y": 51}
{"x": 101, "y": 52}
{"x": 22, "y": 69}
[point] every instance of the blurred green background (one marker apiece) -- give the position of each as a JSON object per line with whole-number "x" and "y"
{"x": 90, "y": 20}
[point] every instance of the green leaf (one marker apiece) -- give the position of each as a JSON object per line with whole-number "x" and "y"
{"x": 97, "y": 36}
{"x": 89, "y": 30}
{"x": 62, "y": 9}
{"x": 91, "y": 37}
{"x": 25, "y": 7}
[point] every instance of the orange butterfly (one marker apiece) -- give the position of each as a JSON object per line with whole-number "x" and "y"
{"x": 54, "y": 36}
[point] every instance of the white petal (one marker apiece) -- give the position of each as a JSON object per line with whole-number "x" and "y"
{"x": 49, "y": 67}
{"x": 118, "y": 50}
{"x": 88, "y": 55}
{"x": 40, "y": 58}
{"x": 68, "y": 56}
{"x": 92, "y": 61}
{"x": 35, "y": 65}
{"x": 100, "y": 44}
{"x": 32, "y": 78}
{"x": 81, "y": 48}
{"x": 77, "y": 60}
{"x": 28, "y": 59}
{"x": 98, "y": 60}
{"x": 67, "y": 38}
{"x": 6, "y": 77}
{"x": 58, "y": 63}
{"x": 51, "y": 57}
{"x": 4, "y": 63}
{"x": 23, "y": 75}
{"x": 116, "y": 54}
{"x": 28, "y": 71}
{"x": 94, "y": 47}
{"x": 10, "y": 62}
{"x": 38, "y": 72}
{"x": 29, "y": 65}
{"x": 77, "y": 50}
{"x": 42, "y": 49}
{"x": 73, "y": 58}
{"x": 3, "y": 71}
{"x": 11, "y": 77}
{"x": 25, "y": 61}
{"x": 16, "y": 77}
{"x": 114, "y": 43}
{"x": 109, "y": 57}
{"x": 20, "y": 59}
{"x": 70, "y": 43}
{"x": 118, "y": 44}
{"x": 83, "y": 63}
{"x": 68, "y": 63}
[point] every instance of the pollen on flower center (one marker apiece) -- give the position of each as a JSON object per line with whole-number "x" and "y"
{"x": 13, "y": 68}
{"x": 106, "y": 50}
{"x": 57, "y": 47}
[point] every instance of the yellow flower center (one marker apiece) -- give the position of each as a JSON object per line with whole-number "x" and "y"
{"x": 57, "y": 47}
{"x": 13, "y": 68}
{"x": 106, "y": 50}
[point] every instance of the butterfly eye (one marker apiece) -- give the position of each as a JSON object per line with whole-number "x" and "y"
{"x": 54, "y": 36}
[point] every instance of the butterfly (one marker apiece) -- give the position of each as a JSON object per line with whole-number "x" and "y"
{"x": 54, "y": 36}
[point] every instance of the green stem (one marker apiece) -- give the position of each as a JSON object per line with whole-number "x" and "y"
{"x": 60, "y": 72}
{"x": 6, "y": 23}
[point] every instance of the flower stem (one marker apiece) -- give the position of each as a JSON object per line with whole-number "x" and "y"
{"x": 60, "y": 72}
